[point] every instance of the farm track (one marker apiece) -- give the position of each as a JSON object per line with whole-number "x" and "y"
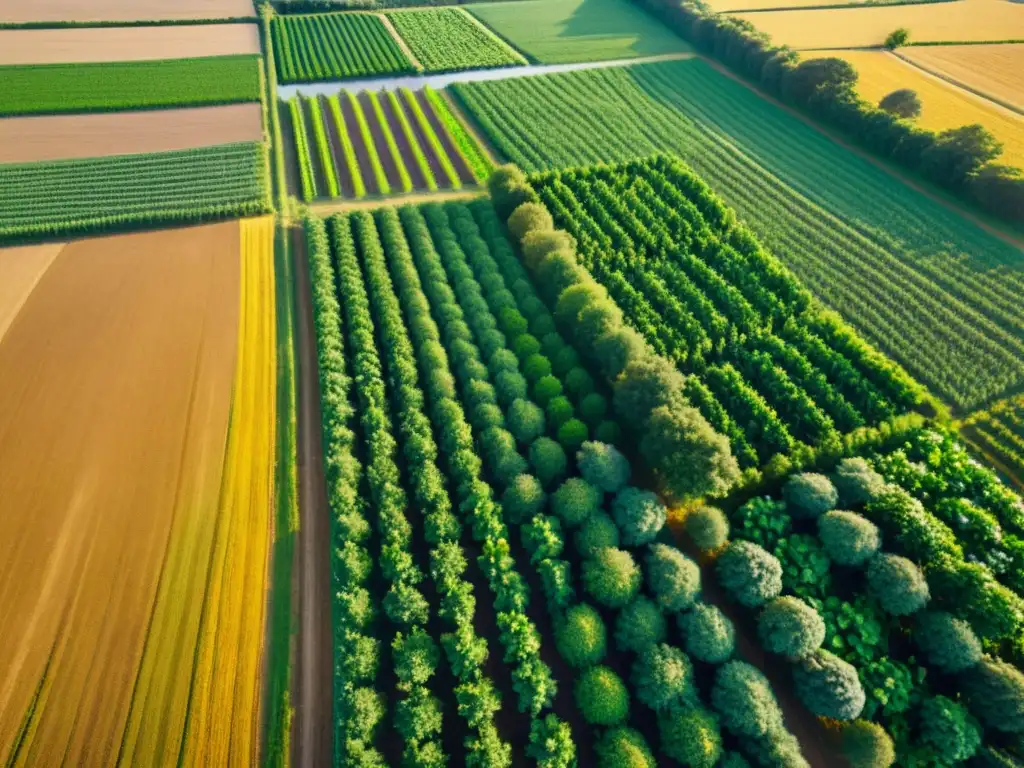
{"x": 314, "y": 696}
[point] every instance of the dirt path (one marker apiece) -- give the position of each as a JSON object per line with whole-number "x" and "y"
{"x": 400, "y": 40}
{"x": 313, "y": 742}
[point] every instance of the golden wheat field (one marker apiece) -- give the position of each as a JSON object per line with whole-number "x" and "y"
{"x": 867, "y": 27}
{"x": 733, "y": 6}
{"x": 995, "y": 71}
{"x": 942, "y": 105}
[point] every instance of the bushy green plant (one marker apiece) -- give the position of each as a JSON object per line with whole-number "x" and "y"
{"x": 856, "y": 482}
{"x": 897, "y": 584}
{"x": 853, "y": 631}
{"x": 828, "y": 686}
{"x": 546, "y": 389}
{"x": 639, "y": 514}
{"x": 662, "y": 676}
{"x": 523, "y": 498}
{"x": 777, "y": 749}
{"x": 608, "y": 432}
{"x": 603, "y": 466}
{"x": 542, "y": 538}
{"x": 743, "y": 698}
{"x": 559, "y": 410}
{"x": 911, "y": 529}
{"x": 690, "y": 736}
{"x": 510, "y": 386}
{"x": 618, "y": 348}
{"x": 509, "y": 189}
{"x": 575, "y": 501}
{"x": 809, "y": 495}
{"x": 867, "y": 745}
{"x": 708, "y": 528}
{"x": 525, "y": 346}
{"x": 415, "y": 658}
{"x": 593, "y": 408}
{"x": 526, "y": 421}
{"x": 733, "y": 760}
{"x": 891, "y": 687}
{"x": 602, "y": 697}
{"x": 611, "y": 577}
{"x": 598, "y": 532}
{"x": 750, "y": 575}
{"x": 551, "y": 744}
{"x": 948, "y": 643}
{"x": 623, "y": 748}
{"x": 639, "y": 624}
{"x": 487, "y": 415}
{"x": 762, "y": 521}
{"x": 995, "y": 692}
{"x": 947, "y": 726}
{"x": 578, "y": 382}
{"x": 805, "y": 566}
{"x": 580, "y": 637}
{"x": 573, "y": 434}
{"x": 790, "y": 627}
{"x": 548, "y": 460}
{"x": 709, "y": 635}
{"x": 672, "y": 577}
{"x": 565, "y": 360}
{"x": 529, "y": 217}
{"x": 848, "y": 538}
{"x": 538, "y": 243}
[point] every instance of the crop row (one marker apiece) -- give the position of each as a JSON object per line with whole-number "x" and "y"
{"x": 999, "y": 432}
{"x": 449, "y": 39}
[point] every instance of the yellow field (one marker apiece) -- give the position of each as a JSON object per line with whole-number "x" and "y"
{"x": 730, "y": 6}
{"x": 996, "y": 71}
{"x": 866, "y": 27}
{"x": 942, "y": 105}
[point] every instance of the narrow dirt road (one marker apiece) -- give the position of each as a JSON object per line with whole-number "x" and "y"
{"x": 313, "y": 742}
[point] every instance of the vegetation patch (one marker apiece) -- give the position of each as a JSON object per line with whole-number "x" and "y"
{"x": 449, "y": 39}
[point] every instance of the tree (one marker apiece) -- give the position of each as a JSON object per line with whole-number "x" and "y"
{"x": 707, "y": 527}
{"x": 750, "y": 574}
{"x": 995, "y": 692}
{"x": 538, "y": 243}
{"x": 418, "y": 716}
{"x": 959, "y": 152}
{"x": 593, "y": 408}
{"x": 551, "y": 744}
{"x": 743, "y": 698}
{"x": 572, "y": 434}
{"x": 897, "y": 584}
{"x": 897, "y": 38}
{"x": 710, "y": 636}
{"x": 790, "y": 627}
{"x": 576, "y": 298}
{"x": 575, "y": 501}
{"x": 603, "y": 466}
{"x": 639, "y": 514}
{"x": 809, "y": 495}
{"x": 999, "y": 188}
{"x": 602, "y": 697}
{"x": 867, "y": 745}
{"x": 509, "y": 189}
{"x": 672, "y": 578}
{"x": 848, "y": 538}
{"x": 611, "y": 577}
{"x": 526, "y": 421}
{"x": 662, "y": 676}
{"x": 415, "y": 657}
{"x": 820, "y": 80}
{"x": 477, "y": 701}
{"x": 523, "y": 498}
{"x": 691, "y": 736}
{"x": 559, "y": 410}
{"x": 548, "y": 460}
{"x": 580, "y": 637}
{"x": 598, "y": 532}
{"x": 639, "y": 625}
{"x": 948, "y": 727}
{"x": 828, "y": 686}
{"x": 947, "y": 642}
{"x": 645, "y": 384}
{"x": 616, "y": 349}
{"x": 529, "y": 217}
{"x": 903, "y": 103}
{"x": 623, "y": 748}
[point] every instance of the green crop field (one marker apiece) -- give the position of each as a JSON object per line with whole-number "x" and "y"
{"x": 928, "y": 287}
{"x": 70, "y": 197}
{"x": 448, "y": 39}
{"x": 559, "y": 31}
{"x": 104, "y": 87}
{"x": 333, "y": 46}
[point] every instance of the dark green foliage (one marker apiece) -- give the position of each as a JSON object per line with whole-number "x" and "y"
{"x": 525, "y": 346}
{"x": 575, "y": 501}
{"x": 542, "y": 538}
{"x": 566, "y": 360}
{"x": 509, "y": 189}
{"x": 647, "y": 383}
{"x": 733, "y": 760}
{"x": 790, "y": 627}
{"x": 828, "y": 686}
{"x": 743, "y": 698}
{"x": 856, "y": 482}
{"x": 529, "y": 217}
{"x": 749, "y": 574}
{"x": 710, "y": 636}
{"x": 995, "y": 692}
{"x": 608, "y": 432}
{"x": 525, "y": 421}
{"x": 762, "y": 521}
{"x": 672, "y": 578}
{"x": 548, "y": 460}
{"x": 523, "y": 498}
{"x": 909, "y": 528}
{"x": 867, "y": 745}
{"x": 708, "y": 528}
{"x": 623, "y": 748}
{"x": 603, "y": 466}
{"x": 778, "y": 749}
{"x": 512, "y": 323}
{"x": 414, "y": 657}
{"x": 510, "y": 386}
{"x": 559, "y": 410}
{"x": 691, "y": 736}
{"x": 536, "y": 245}
{"x": 617, "y": 349}
{"x": 662, "y": 676}
{"x": 897, "y": 584}
{"x": 572, "y": 434}
{"x": 805, "y": 566}
{"x": 639, "y": 514}
{"x": 611, "y": 577}
{"x": 598, "y": 532}
{"x": 593, "y": 408}
{"x": 639, "y": 625}
{"x": 809, "y": 495}
{"x": 848, "y": 538}
{"x": 947, "y": 726}
{"x": 602, "y": 697}
{"x": 536, "y": 367}
{"x": 580, "y": 637}
{"x": 546, "y": 389}
{"x": 947, "y": 642}
{"x": 578, "y": 382}
{"x": 551, "y": 744}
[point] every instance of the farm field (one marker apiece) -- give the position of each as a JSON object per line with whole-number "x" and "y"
{"x": 130, "y": 191}
{"x": 41, "y": 138}
{"x": 560, "y": 31}
{"x": 998, "y": 432}
{"x": 928, "y": 288}
{"x": 20, "y": 271}
{"x": 449, "y": 39}
{"x": 378, "y": 144}
{"x": 77, "y": 46}
{"x": 995, "y": 71}
{"x": 145, "y": 347}
{"x": 17, "y": 12}
{"x": 957, "y": 22}
{"x": 942, "y": 105}
{"x": 334, "y": 46}
{"x": 736, "y": 6}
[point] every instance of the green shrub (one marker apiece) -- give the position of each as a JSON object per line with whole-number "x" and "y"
{"x": 639, "y": 625}
{"x": 778, "y": 749}
{"x": 509, "y": 189}
{"x": 828, "y": 686}
{"x": 548, "y": 460}
{"x": 867, "y": 745}
{"x": 623, "y": 748}
{"x": 749, "y": 574}
{"x": 551, "y": 744}
{"x": 593, "y": 408}
{"x": 598, "y": 532}
{"x": 512, "y": 324}
{"x": 733, "y": 760}
{"x": 611, "y": 577}
{"x": 529, "y": 217}
{"x": 662, "y": 676}
{"x": 487, "y": 415}
{"x": 539, "y": 243}
{"x": 525, "y": 346}
{"x": 503, "y": 360}
{"x": 578, "y": 382}
{"x": 897, "y": 584}
{"x": 542, "y": 538}
{"x": 995, "y": 692}
{"x": 608, "y": 432}
{"x": 672, "y": 577}
{"x": 618, "y": 348}
{"x": 546, "y": 389}
{"x": 523, "y": 499}
{"x": 602, "y": 697}
{"x": 647, "y": 383}
{"x": 856, "y": 482}
{"x": 690, "y": 736}
{"x": 947, "y": 726}
{"x": 762, "y": 521}
{"x": 603, "y": 466}
{"x": 809, "y": 495}
{"x": 805, "y": 566}
{"x": 708, "y": 528}
{"x": 580, "y": 637}
{"x": 526, "y": 421}
{"x": 848, "y": 538}
{"x": 559, "y": 411}
{"x": 639, "y": 514}
{"x": 790, "y": 627}
{"x": 565, "y": 360}
{"x": 948, "y": 643}
{"x": 743, "y": 698}
{"x": 575, "y": 501}
{"x": 542, "y": 326}
{"x": 575, "y": 299}
{"x": 557, "y": 272}
{"x": 536, "y": 367}
{"x": 510, "y": 386}
{"x": 709, "y": 635}
{"x": 572, "y": 434}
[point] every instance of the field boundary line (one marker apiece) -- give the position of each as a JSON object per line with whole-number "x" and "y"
{"x": 494, "y": 35}
{"x": 953, "y": 82}
{"x": 393, "y": 31}
{"x": 482, "y": 140}
{"x": 340, "y": 206}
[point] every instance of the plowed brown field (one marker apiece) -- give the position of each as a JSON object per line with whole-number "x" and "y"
{"x": 20, "y": 11}
{"x": 114, "y": 408}
{"x": 20, "y": 270}
{"x": 71, "y": 46}
{"x": 57, "y": 137}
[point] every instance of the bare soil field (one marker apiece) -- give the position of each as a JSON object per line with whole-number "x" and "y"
{"x": 995, "y": 71}
{"x": 20, "y": 272}
{"x": 73, "y": 46}
{"x": 21, "y": 12}
{"x": 114, "y": 406}
{"x": 60, "y": 137}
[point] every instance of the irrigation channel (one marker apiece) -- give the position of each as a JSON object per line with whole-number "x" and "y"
{"x": 442, "y": 80}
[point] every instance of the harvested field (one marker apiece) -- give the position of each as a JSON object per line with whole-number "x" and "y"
{"x": 36, "y": 139}
{"x": 118, "y": 386}
{"x": 20, "y": 12}
{"x": 995, "y": 71}
{"x": 737, "y": 6}
{"x": 942, "y": 105}
{"x": 74, "y": 46}
{"x": 867, "y": 27}
{"x": 20, "y": 272}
